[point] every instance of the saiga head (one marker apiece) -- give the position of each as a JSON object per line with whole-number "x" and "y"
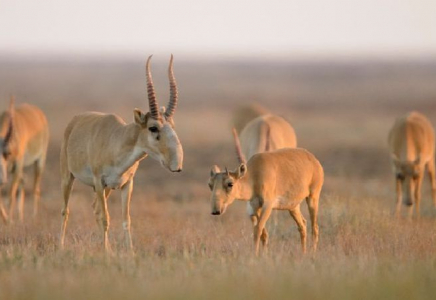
{"x": 226, "y": 185}
{"x": 6, "y": 131}
{"x": 408, "y": 172}
{"x": 158, "y": 136}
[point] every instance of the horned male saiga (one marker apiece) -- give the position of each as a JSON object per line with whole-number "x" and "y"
{"x": 104, "y": 152}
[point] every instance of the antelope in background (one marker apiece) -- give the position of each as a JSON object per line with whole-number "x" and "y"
{"x": 23, "y": 142}
{"x": 277, "y": 180}
{"x": 104, "y": 152}
{"x": 246, "y": 113}
{"x": 266, "y": 133}
{"x": 412, "y": 146}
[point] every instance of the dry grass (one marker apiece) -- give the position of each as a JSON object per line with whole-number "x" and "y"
{"x": 182, "y": 252}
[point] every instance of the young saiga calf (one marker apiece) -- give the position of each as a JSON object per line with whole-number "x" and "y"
{"x": 23, "y": 142}
{"x": 104, "y": 152}
{"x": 412, "y": 146}
{"x": 277, "y": 180}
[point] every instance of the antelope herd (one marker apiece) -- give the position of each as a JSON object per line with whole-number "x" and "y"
{"x": 104, "y": 152}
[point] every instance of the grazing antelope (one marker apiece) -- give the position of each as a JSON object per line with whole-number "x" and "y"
{"x": 23, "y": 142}
{"x": 412, "y": 146}
{"x": 104, "y": 152}
{"x": 244, "y": 114}
{"x": 277, "y": 180}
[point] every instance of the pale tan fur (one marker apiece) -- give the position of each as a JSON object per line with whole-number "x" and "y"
{"x": 412, "y": 146}
{"x": 267, "y": 131}
{"x": 277, "y": 180}
{"x": 246, "y": 113}
{"x": 27, "y": 147}
{"x": 104, "y": 152}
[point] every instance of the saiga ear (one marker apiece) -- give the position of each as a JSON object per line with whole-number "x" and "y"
{"x": 215, "y": 170}
{"x": 241, "y": 171}
{"x": 140, "y": 117}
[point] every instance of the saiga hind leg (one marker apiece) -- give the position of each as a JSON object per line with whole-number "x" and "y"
{"x": 39, "y": 168}
{"x": 21, "y": 196}
{"x": 301, "y": 223}
{"x": 312, "y": 203}
{"x": 432, "y": 177}
{"x": 66, "y": 186}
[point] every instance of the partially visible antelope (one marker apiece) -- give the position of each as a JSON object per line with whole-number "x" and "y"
{"x": 412, "y": 146}
{"x": 23, "y": 142}
{"x": 266, "y": 133}
{"x": 246, "y": 113}
{"x": 276, "y": 180}
{"x": 104, "y": 152}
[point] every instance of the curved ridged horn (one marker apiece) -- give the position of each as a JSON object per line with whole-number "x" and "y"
{"x": 11, "y": 121}
{"x": 172, "y": 104}
{"x": 239, "y": 154}
{"x": 154, "y": 111}
{"x": 227, "y": 171}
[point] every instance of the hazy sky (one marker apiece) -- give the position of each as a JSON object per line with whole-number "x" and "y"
{"x": 289, "y": 27}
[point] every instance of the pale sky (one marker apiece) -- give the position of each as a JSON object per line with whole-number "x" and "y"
{"x": 219, "y": 27}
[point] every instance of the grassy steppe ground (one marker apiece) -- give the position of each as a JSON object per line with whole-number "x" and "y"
{"x": 341, "y": 112}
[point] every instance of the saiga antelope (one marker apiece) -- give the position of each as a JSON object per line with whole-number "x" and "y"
{"x": 412, "y": 146}
{"x": 266, "y": 133}
{"x": 104, "y": 152}
{"x": 23, "y": 142}
{"x": 246, "y": 113}
{"x": 277, "y": 180}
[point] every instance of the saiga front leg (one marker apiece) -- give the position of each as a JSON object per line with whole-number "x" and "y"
{"x": 97, "y": 208}
{"x": 126, "y": 194}
{"x": 253, "y": 209}
{"x": 259, "y": 228}
{"x": 99, "y": 190}
{"x": 3, "y": 213}
{"x": 399, "y": 196}
{"x": 418, "y": 185}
